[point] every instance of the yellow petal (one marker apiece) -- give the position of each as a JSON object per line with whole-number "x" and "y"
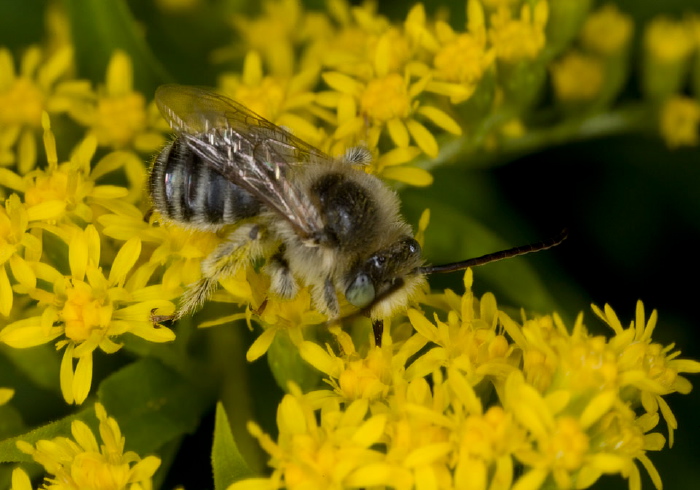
{"x": 78, "y": 256}
{"x": 124, "y": 261}
{"x": 22, "y": 272}
{"x": 440, "y": 119}
{"x": 317, "y": 356}
{"x": 67, "y": 374}
{"x": 342, "y": 83}
{"x": 423, "y": 138}
{"x": 398, "y": 132}
{"x": 6, "y": 295}
{"x": 46, "y": 210}
{"x": 119, "y": 79}
{"x": 20, "y": 480}
{"x": 410, "y": 175}
{"x": 82, "y": 379}
{"x": 261, "y": 344}
{"x": 252, "y": 69}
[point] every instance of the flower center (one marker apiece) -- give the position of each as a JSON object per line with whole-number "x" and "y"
{"x": 264, "y": 99}
{"x": 90, "y": 470}
{"x": 82, "y": 312}
{"x": 386, "y": 98}
{"x": 21, "y": 104}
{"x": 462, "y": 60}
{"x": 119, "y": 119}
{"x": 568, "y": 445}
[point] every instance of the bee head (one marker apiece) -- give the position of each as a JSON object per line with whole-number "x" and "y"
{"x": 382, "y": 272}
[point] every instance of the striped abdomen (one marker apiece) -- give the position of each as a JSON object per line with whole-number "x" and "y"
{"x": 187, "y": 190}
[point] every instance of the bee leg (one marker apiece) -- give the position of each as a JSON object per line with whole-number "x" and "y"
{"x": 330, "y": 299}
{"x": 282, "y": 282}
{"x": 242, "y": 245}
{"x": 195, "y": 295}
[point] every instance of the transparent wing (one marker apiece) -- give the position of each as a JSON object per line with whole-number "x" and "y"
{"x": 245, "y": 148}
{"x": 196, "y": 110}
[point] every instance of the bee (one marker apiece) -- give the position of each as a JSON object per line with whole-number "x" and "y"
{"x": 318, "y": 221}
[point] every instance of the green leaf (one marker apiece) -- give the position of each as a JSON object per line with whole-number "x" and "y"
{"x": 153, "y": 404}
{"x": 227, "y": 461}
{"x": 99, "y": 27}
{"x": 287, "y": 365}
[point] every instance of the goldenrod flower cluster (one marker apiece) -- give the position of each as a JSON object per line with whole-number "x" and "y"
{"x": 462, "y": 393}
{"x": 471, "y": 395}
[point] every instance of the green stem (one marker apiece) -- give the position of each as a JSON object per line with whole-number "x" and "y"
{"x": 633, "y": 118}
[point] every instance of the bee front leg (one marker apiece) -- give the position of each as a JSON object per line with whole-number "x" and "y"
{"x": 330, "y": 299}
{"x": 241, "y": 246}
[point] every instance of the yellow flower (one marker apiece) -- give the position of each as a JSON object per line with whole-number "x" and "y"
{"x": 388, "y": 102}
{"x": 60, "y": 193}
{"x": 666, "y": 41}
{"x": 607, "y": 31}
{"x": 120, "y": 118}
{"x": 622, "y": 433}
{"x": 24, "y": 96}
{"x": 333, "y": 451}
{"x": 275, "y": 98}
{"x": 461, "y": 60}
{"x": 273, "y": 34}
{"x": 88, "y": 309}
{"x": 351, "y": 375}
{"x": 484, "y": 440}
{"x": 577, "y": 77}
{"x": 679, "y": 121}
{"x": 273, "y": 314}
{"x": 82, "y": 463}
{"x": 519, "y": 39}
{"x": 16, "y": 246}
{"x": 562, "y": 448}
{"x": 649, "y": 367}
{"x": 468, "y": 340}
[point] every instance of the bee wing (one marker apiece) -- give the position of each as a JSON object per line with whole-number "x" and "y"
{"x": 196, "y": 110}
{"x": 249, "y": 150}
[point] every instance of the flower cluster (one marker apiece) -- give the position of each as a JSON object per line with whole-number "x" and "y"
{"x": 466, "y": 399}
{"x": 459, "y": 394}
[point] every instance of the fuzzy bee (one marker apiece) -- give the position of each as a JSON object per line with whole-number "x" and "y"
{"x": 319, "y": 221}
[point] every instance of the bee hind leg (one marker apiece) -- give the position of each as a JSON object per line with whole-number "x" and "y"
{"x": 241, "y": 246}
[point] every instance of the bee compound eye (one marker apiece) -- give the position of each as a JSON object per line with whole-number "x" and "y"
{"x": 361, "y": 292}
{"x": 413, "y": 246}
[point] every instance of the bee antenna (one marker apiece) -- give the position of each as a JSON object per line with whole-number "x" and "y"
{"x": 493, "y": 257}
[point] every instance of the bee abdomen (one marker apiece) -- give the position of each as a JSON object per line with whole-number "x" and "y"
{"x": 187, "y": 190}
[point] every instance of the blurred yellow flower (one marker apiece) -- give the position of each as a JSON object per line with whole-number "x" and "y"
{"x": 120, "y": 118}
{"x": 679, "y": 121}
{"x": 577, "y": 77}
{"x": 83, "y": 463}
{"x": 24, "y": 96}
{"x": 523, "y": 38}
{"x": 607, "y": 31}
